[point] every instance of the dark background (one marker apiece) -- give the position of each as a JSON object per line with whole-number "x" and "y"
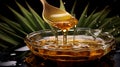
{"x": 36, "y": 5}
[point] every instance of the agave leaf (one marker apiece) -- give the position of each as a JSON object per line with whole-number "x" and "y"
{"x": 88, "y": 19}
{"x": 117, "y": 39}
{"x": 82, "y": 17}
{"x": 94, "y": 16}
{"x": 37, "y": 17}
{"x": 116, "y": 33}
{"x": 8, "y": 21}
{"x": 73, "y": 8}
{"x": 24, "y": 22}
{"x": 4, "y": 27}
{"x": 106, "y": 22}
{"x": 3, "y": 46}
{"x": 112, "y": 29}
{"x": 94, "y": 21}
{"x": 105, "y": 13}
{"x": 28, "y": 16}
{"x": 7, "y": 38}
{"x": 62, "y": 5}
{"x": 115, "y": 22}
{"x": 23, "y": 54}
{"x": 97, "y": 18}
{"x": 13, "y": 25}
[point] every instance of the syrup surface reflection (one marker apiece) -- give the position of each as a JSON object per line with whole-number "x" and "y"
{"x": 84, "y": 47}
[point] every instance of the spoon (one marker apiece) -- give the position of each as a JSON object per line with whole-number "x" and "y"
{"x": 57, "y": 17}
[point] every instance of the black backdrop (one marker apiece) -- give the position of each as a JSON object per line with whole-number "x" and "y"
{"x": 36, "y": 5}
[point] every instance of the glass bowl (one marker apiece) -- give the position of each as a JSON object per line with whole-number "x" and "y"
{"x": 83, "y": 44}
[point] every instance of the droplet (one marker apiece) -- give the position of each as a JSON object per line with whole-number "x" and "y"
{"x": 118, "y": 32}
{"x": 99, "y": 21}
{"x": 64, "y": 3}
{"x": 118, "y": 16}
{"x": 42, "y": 64}
{"x": 114, "y": 29}
{"x": 19, "y": 64}
{"x": 85, "y": 15}
{"x": 97, "y": 25}
{"x": 13, "y": 54}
